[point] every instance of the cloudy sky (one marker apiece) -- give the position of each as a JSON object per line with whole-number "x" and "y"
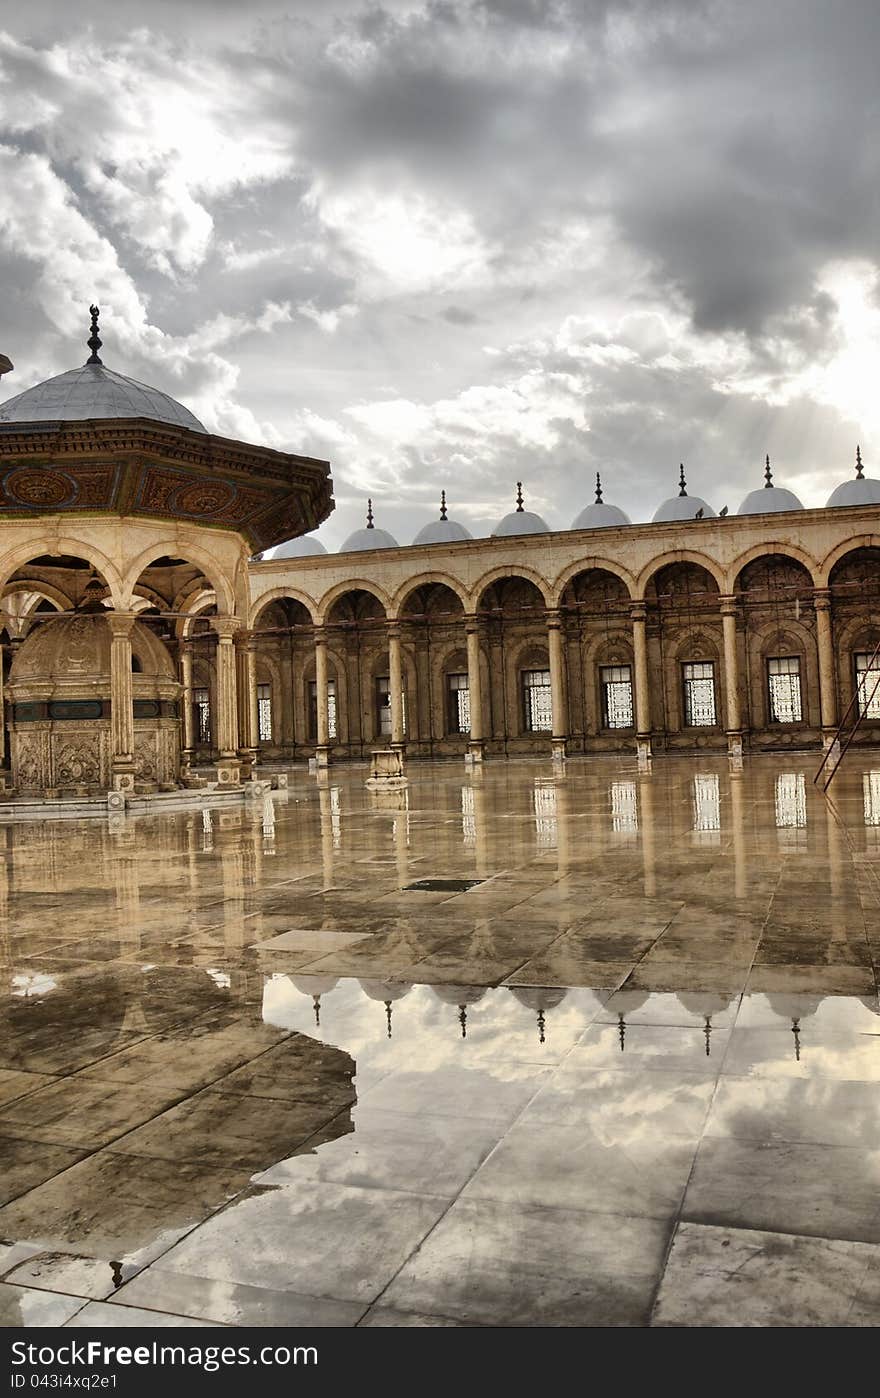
{"x": 461, "y": 243}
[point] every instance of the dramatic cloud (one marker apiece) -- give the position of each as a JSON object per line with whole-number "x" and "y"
{"x": 463, "y": 243}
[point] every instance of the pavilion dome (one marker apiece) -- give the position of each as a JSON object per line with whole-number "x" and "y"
{"x": 864, "y": 490}
{"x": 369, "y": 537}
{"x": 442, "y": 530}
{"x": 520, "y": 521}
{"x": 70, "y": 653}
{"x": 682, "y": 506}
{"x": 770, "y": 499}
{"x": 94, "y": 391}
{"x": 304, "y": 547}
{"x": 599, "y": 515}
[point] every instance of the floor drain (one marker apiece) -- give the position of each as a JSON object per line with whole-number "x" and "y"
{"x": 442, "y": 885}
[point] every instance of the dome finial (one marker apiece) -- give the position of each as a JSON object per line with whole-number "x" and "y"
{"x": 768, "y": 474}
{"x": 519, "y": 498}
{"x": 859, "y": 473}
{"x": 682, "y": 485}
{"x": 443, "y": 504}
{"x": 370, "y": 524}
{"x": 94, "y": 340}
{"x": 598, "y": 489}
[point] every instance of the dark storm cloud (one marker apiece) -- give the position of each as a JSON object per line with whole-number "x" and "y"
{"x": 363, "y": 229}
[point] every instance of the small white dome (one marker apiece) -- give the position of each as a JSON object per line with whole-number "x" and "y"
{"x": 864, "y": 490}
{"x": 599, "y": 515}
{"x": 304, "y": 547}
{"x": 369, "y": 538}
{"x": 769, "y": 500}
{"x": 520, "y": 521}
{"x": 682, "y": 506}
{"x": 442, "y": 531}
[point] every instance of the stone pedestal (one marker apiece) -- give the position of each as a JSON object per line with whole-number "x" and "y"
{"x": 735, "y": 745}
{"x": 558, "y": 746}
{"x": 386, "y": 770}
{"x": 643, "y": 754}
{"x": 228, "y": 774}
{"x": 474, "y": 752}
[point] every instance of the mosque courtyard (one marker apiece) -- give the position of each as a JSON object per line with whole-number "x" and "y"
{"x": 522, "y": 1046}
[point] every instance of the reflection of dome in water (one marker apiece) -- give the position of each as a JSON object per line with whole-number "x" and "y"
{"x": 697, "y": 1003}
{"x": 385, "y": 990}
{"x": 538, "y": 997}
{"x": 314, "y": 985}
{"x": 459, "y": 994}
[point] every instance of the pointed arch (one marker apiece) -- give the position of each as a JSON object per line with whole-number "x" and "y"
{"x": 663, "y": 560}
{"x": 190, "y": 553}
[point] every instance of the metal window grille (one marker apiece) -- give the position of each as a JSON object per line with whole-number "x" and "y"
{"x": 459, "y": 704}
{"x": 201, "y": 701}
{"x": 537, "y": 701}
{"x": 264, "y": 713}
{"x": 871, "y": 792}
{"x": 707, "y": 802}
{"x": 784, "y": 681}
{"x": 617, "y": 696}
{"x": 699, "y": 694}
{"x": 791, "y": 801}
{"x": 331, "y": 709}
{"x": 868, "y": 683}
{"x": 624, "y": 808}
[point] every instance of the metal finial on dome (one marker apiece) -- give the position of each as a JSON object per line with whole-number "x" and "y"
{"x": 462, "y": 1019}
{"x": 682, "y": 485}
{"x": 598, "y": 489}
{"x": 768, "y": 474}
{"x": 370, "y": 524}
{"x": 859, "y": 473}
{"x": 443, "y": 504}
{"x": 519, "y": 498}
{"x": 94, "y": 341}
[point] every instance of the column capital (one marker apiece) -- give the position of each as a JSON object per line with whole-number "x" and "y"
{"x": 320, "y": 635}
{"x": 245, "y": 640}
{"x": 121, "y": 623}
{"x": 553, "y": 617}
{"x": 395, "y": 630}
{"x": 822, "y": 598}
{"x": 472, "y": 624}
{"x": 225, "y": 627}
{"x": 638, "y": 611}
{"x": 729, "y": 605}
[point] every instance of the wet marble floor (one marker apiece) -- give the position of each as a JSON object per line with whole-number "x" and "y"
{"x": 521, "y": 1048}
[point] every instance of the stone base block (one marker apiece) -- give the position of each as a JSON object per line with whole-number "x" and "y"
{"x": 115, "y": 801}
{"x": 557, "y": 749}
{"x": 643, "y": 754}
{"x": 280, "y": 781}
{"x": 228, "y": 774}
{"x": 386, "y": 769}
{"x": 123, "y": 781}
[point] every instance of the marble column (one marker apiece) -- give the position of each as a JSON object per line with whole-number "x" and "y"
{"x": 228, "y": 769}
{"x": 248, "y": 713}
{"x": 825, "y": 647}
{"x": 322, "y": 750}
{"x": 729, "y": 607}
{"x": 121, "y": 701}
{"x": 475, "y": 690}
{"x": 395, "y": 669}
{"x": 639, "y": 617}
{"x": 186, "y": 699}
{"x": 2, "y": 720}
{"x": 558, "y": 697}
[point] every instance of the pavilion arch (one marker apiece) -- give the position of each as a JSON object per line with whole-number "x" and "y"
{"x": 411, "y": 585}
{"x": 149, "y": 597}
{"x": 511, "y": 572}
{"x": 863, "y": 541}
{"x": 350, "y": 585}
{"x": 678, "y": 556}
{"x": 196, "y": 605}
{"x": 192, "y": 554}
{"x": 278, "y": 594}
{"x": 771, "y": 549}
{"x": 63, "y": 546}
{"x": 46, "y": 590}
{"x": 586, "y": 565}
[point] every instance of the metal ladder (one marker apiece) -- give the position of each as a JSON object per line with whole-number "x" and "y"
{"x": 835, "y": 746}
